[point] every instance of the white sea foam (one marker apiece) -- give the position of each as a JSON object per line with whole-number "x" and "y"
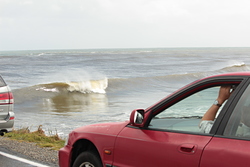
{"x": 40, "y": 54}
{"x": 235, "y": 63}
{"x": 91, "y": 86}
{"x": 48, "y": 89}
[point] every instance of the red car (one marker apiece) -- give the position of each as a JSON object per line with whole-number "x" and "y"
{"x": 169, "y": 133}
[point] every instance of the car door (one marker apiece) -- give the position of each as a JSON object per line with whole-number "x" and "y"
{"x": 172, "y": 136}
{"x": 147, "y": 148}
{"x": 230, "y": 146}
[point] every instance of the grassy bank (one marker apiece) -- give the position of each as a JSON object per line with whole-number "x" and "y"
{"x": 38, "y": 137}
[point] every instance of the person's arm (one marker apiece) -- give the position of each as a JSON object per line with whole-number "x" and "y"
{"x": 224, "y": 94}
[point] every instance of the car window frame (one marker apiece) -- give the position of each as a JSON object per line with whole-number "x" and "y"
{"x": 190, "y": 90}
{"x": 228, "y": 110}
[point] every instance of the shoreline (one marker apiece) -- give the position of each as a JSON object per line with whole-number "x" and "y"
{"x": 30, "y": 151}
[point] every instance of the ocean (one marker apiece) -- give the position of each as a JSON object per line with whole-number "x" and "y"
{"x": 65, "y": 89}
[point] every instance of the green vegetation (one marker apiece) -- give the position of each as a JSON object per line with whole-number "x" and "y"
{"x": 38, "y": 137}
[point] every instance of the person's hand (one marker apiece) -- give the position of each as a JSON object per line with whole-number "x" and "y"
{"x": 224, "y": 94}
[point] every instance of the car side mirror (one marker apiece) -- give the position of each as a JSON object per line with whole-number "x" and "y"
{"x": 137, "y": 117}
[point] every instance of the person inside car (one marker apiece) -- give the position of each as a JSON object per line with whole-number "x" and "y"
{"x": 208, "y": 118}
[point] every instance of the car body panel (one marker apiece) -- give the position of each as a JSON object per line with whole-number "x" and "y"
{"x": 90, "y": 132}
{"x": 8, "y": 123}
{"x": 65, "y": 155}
{"x": 157, "y": 148}
{"x": 226, "y": 152}
{"x": 4, "y": 108}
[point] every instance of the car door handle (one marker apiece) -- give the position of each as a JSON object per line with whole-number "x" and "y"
{"x": 187, "y": 148}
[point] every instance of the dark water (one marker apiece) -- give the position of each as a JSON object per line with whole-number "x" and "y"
{"x": 65, "y": 89}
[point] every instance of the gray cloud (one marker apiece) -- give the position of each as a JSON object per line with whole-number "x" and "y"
{"x": 62, "y": 24}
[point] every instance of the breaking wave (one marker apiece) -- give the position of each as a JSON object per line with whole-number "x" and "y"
{"x": 240, "y": 66}
{"x": 91, "y": 86}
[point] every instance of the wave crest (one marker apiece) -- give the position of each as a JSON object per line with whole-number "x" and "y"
{"x": 240, "y": 66}
{"x": 91, "y": 86}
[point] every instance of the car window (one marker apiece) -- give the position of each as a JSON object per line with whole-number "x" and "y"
{"x": 239, "y": 123}
{"x": 187, "y": 113}
{"x": 2, "y": 83}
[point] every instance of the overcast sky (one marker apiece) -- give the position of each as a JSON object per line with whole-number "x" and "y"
{"x": 83, "y": 24}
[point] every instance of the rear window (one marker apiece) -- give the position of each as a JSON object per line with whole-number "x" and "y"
{"x": 2, "y": 83}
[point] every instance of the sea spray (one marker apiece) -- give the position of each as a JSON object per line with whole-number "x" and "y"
{"x": 91, "y": 86}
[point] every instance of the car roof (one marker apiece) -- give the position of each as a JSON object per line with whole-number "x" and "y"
{"x": 230, "y": 74}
